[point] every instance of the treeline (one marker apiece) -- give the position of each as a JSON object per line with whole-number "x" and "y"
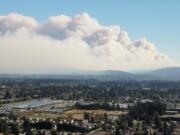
{"x": 148, "y": 112}
{"x": 28, "y": 127}
{"x": 95, "y": 106}
{"x": 87, "y": 89}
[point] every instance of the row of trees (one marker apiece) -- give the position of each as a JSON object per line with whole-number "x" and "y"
{"x": 87, "y": 89}
{"x": 144, "y": 111}
{"x": 95, "y": 106}
{"x": 27, "y": 126}
{"x": 4, "y": 128}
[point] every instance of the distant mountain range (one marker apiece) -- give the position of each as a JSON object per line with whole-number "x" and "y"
{"x": 169, "y": 74}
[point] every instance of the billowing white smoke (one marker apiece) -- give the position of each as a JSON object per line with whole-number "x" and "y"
{"x": 65, "y": 43}
{"x": 12, "y": 22}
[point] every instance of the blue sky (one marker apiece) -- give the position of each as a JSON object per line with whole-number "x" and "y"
{"x": 156, "y": 20}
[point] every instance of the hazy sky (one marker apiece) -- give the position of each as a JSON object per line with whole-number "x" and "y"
{"x": 156, "y": 20}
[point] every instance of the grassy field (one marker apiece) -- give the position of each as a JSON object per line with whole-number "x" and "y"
{"x": 79, "y": 114}
{"x": 71, "y": 114}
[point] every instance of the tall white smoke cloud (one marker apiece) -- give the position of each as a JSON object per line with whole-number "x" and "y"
{"x": 71, "y": 43}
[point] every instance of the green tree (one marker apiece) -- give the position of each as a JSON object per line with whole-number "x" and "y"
{"x": 27, "y": 127}
{"x": 15, "y": 129}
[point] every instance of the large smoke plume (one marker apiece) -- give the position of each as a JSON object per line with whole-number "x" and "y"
{"x": 71, "y": 43}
